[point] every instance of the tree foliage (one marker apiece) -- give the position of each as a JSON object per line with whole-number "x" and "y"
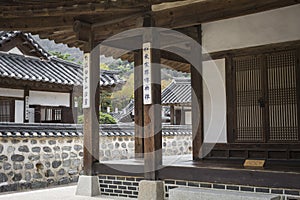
{"x": 104, "y": 119}
{"x": 64, "y": 56}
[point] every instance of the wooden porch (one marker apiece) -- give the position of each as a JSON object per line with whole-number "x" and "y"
{"x": 275, "y": 174}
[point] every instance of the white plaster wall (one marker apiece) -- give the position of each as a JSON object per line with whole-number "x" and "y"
{"x": 15, "y": 50}
{"x": 7, "y": 92}
{"x": 188, "y": 117}
{"x": 279, "y": 25}
{"x": 19, "y": 111}
{"x": 214, "y": 101}
{"x": 49, "y": 98}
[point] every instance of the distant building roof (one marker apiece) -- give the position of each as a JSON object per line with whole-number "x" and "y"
{"x": 7, "y": 36}
{"x": 8, "y": 130}
{"x": 53, "y": 70}
{"x": 177, "y": 93}
{"x": 46, "y": 68}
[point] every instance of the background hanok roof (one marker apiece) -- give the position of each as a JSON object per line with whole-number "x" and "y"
{"x": 40, "y": 66}
{"x": 177, "y": 93}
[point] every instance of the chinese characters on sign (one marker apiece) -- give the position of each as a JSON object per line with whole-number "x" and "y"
{"x": 27, "y": 108}
{"x": 147, "y": 73}
{"x": 86, "y": 81}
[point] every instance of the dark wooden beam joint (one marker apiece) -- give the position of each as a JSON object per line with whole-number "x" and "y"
{"x": 83, "y": 30}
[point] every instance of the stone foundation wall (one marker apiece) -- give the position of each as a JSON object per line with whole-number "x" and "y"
{"x": 29, "y": 163}
{"x": 40, "y": 162}
{"x": 122, "y": 147}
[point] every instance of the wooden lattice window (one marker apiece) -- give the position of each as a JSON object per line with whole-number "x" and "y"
{"x": 51, "y": 114}
{"x": 248, "y": 91}
{"x": 282, "y": 96}
{"x": 265, "y": 92}
{"x": 7, "y": 110}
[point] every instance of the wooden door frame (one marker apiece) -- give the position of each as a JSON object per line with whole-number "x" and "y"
{"x": 231, "y": 91}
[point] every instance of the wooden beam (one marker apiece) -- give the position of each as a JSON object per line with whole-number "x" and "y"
{"x": 152, "y": 112}
{"x": 138, "y": 105}
{"x": 212, "y": 10}
{"x": 35, "y": 23}
{"x": 197, "y": 98}
{"x": 68, "y": 10}
{"x": 91, "y": 113}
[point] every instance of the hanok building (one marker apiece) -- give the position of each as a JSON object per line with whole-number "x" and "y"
{"x": 177, "y": 96}
{"x": 253, "y": 44}
{"x": 175, "y": 101}
{"x": 37, "y": 87}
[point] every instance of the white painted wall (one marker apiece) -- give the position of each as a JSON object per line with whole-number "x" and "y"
{"x": 19, "y": 111}
{"x": 49, "y": 98}
{"x": 15, "y": 50}
{"x": 214, "y": 101}
{"x": 7, "y": 92}
{"x": 279, "y": 25}
{"x": 188, "y": 117}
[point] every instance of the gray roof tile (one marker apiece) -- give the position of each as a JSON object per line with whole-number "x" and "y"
{"x": 9, "y": 130}
{"x": 178, "y": 92}
{"x": 53, "y": 70}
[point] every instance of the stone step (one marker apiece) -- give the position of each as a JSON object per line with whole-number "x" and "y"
{"x": 214, "y": 194}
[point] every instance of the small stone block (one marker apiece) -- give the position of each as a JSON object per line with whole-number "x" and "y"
{"x": 151, "y": 190}
{"x": 88, "y": 186}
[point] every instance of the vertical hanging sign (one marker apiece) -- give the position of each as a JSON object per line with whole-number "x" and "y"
{"x": 147, "y": 73}
{"x": 27, "y": 108}
{"x": 86, "y": 81}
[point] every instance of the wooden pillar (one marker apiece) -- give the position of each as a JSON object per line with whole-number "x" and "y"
{"x": 172, "y": 114}
{"x": 197, "y": 99}
{"x": 152, "y": 112}
{"x": 138, "y": 105}
{"x": 91, "y": 109}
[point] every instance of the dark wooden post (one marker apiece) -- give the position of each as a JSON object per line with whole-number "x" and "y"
{"x": 138, "y": 105}
{"x": 152, "y": 112}
{"x": 197, "y": 99}
{"x": 172, "y": 114}
{"x": 91, "y": 113}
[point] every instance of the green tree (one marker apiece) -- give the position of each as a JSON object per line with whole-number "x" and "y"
{"x": 122, "y": 97}
{"x": 63, "y": 56}
{"x": 104, "y": 119}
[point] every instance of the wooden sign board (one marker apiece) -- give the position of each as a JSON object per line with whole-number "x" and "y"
{"x": 254, "y": 163}
{"x": 86, "y": 81}
{"x": 27, "y": 108}
{"x": 147, "y": 79}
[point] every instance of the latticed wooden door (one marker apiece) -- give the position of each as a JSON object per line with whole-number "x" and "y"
{"x": 266, "y": 106}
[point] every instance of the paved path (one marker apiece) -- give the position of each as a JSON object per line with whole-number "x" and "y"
{"x": 61, "y": 193}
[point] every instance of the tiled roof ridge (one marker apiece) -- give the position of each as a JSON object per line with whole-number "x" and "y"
{"x": 76, "y": 130}
{"x": 8, "y": 35}
{"x": 182, "y": 80}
